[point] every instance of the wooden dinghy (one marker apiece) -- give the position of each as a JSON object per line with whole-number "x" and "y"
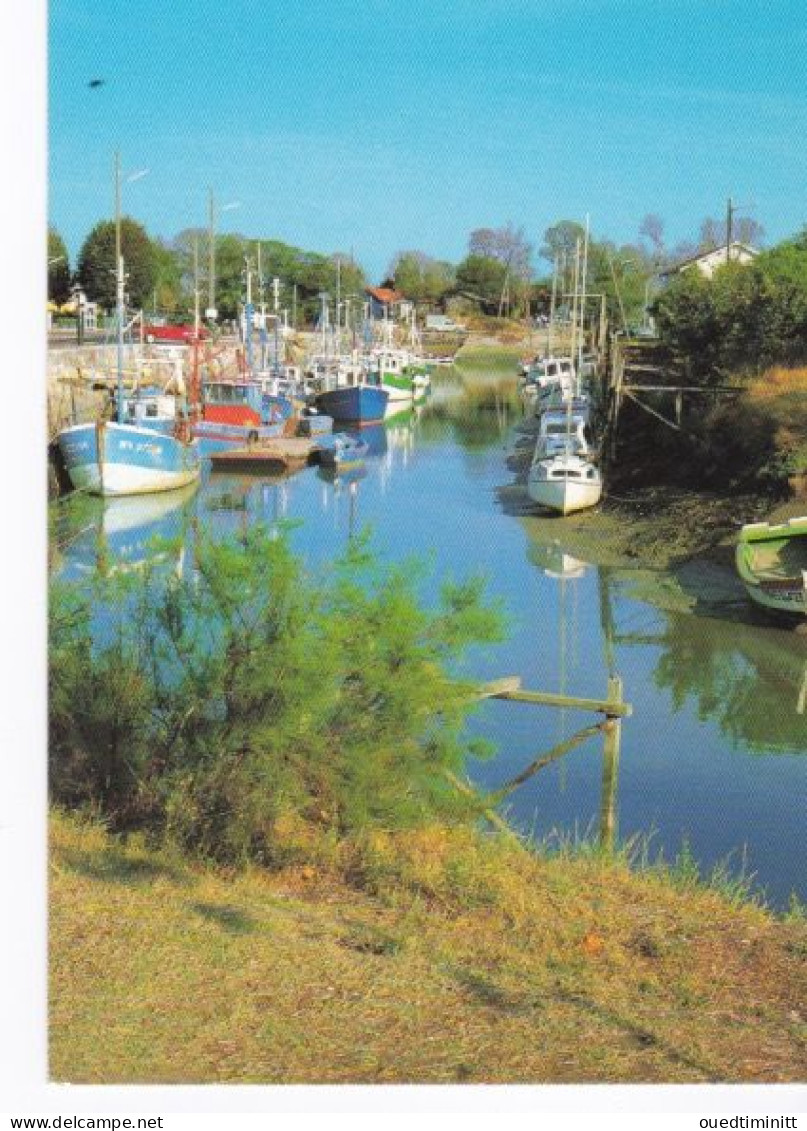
{"x": 772, "y": 563}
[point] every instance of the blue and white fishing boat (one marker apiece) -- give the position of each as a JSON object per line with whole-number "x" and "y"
{"x": 108, "y": 458}
{"x": 121, "y": 458}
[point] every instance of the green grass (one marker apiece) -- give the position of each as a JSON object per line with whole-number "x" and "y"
{"x": 487, "y": 362}
{"x": 435, "y": 956}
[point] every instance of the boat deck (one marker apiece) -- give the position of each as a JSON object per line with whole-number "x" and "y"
{"x": 286, "y": 452}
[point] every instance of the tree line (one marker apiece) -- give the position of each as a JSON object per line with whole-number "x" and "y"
{"x": 497, "y": 275}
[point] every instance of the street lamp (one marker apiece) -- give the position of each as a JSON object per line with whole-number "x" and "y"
{"x": 212, "y": 313}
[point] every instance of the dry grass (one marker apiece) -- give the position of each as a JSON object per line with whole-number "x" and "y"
{"x": 779, "y": 382}
{"x": 434, "y": 957}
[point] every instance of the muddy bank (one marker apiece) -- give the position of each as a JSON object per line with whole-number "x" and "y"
{"x": 677, "y": 546}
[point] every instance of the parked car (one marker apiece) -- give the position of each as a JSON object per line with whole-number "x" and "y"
{"x": 173, "y": 333}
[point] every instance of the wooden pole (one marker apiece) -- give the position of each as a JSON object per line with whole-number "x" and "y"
{"x": 610, "y": 767}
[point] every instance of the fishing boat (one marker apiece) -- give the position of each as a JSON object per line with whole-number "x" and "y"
{"x": 341, "y": 450}
{"x": 108, "y": 458}
{"x": 363, "y": 401}
{"x": 234, "y": 413}
{"x": 772, "y": 563}
{"x": 111, "y": 458}
{"x": 403, "y": 376}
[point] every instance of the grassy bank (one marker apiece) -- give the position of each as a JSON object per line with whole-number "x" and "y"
{"x": 432, "y": 956}
{"x": 670, "y": 498}
{"x": 485, "y": 362}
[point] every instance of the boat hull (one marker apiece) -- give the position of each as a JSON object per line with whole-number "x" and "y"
{"x": 565, "y": 495}
{"x": 772, "y": 564}
{"x": 356, "y": 404}
{"x": 112, "y": 459}
{"x": 217, "y": 436}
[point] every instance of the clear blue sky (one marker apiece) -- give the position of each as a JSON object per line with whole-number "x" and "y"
{"x": 382, "y": 125}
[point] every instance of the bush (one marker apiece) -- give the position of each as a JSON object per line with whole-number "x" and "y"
{"x": 215, "y": 707}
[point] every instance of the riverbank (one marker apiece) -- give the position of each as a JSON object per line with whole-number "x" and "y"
{"x": 435, "y": 956}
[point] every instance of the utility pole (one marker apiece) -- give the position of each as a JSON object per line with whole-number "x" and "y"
{"x": 729, "y": 219}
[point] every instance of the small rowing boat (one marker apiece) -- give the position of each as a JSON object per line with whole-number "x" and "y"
{"x": 772, "y": 563}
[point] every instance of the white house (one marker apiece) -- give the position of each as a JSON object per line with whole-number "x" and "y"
{"x": 707, "y": 262}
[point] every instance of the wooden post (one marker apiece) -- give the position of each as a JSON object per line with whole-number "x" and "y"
{"x": 610, "y": 767}
{"x": 679, "y": 407}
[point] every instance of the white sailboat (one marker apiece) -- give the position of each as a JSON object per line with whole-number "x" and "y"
{"x": 563, "y": 478}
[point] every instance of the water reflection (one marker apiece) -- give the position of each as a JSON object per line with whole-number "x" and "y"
{"x": 114, "y": 536}
{"x": 751, "y": 679}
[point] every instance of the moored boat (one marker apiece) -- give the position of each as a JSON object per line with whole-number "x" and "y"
{"x": 565, "y": 483}
{"x": 107, "y": 458}
{"x": 341, "y": 450}
{"x": 772, "y": 564}
{"x": 362, "y": 403}
{"x": 238, "y": 412}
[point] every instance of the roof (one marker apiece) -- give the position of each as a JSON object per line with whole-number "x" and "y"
{"x": 384, "y": 294}
{"x": 736, "y": 246}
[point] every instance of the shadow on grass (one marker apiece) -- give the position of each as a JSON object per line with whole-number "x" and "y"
{"x": 229, "y": 918}
{"x": 488, "y": 993}
{"x": 118, "y": 867}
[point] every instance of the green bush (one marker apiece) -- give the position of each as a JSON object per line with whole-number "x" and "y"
{"x": 211, "y": 709}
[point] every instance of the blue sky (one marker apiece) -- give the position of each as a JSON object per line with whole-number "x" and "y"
{"x": 381, "y": 126}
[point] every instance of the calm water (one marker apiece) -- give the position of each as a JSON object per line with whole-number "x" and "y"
{"x": 715, "y": 754}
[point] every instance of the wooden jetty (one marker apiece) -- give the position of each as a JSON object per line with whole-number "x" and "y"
{"x": 287, "y": 452}
{"x": 613, "y": 710}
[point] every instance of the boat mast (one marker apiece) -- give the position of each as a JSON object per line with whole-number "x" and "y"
{"x": 211, "y": 244}
{"x": 583, "y": 296}
{"x": 194, "y": 390}
{"x": 119, "y": 286}
{"x": 575, "y": 313}
{"x": 551, "y": 331}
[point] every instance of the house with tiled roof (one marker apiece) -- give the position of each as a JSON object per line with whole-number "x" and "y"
{"x": 387, "y": 303}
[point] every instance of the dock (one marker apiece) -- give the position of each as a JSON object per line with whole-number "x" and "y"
{"x": 289, "y": 453}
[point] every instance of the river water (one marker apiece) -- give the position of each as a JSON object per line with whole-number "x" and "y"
{"x": 714, "y": 756}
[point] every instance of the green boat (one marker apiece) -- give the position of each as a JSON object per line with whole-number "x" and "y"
{"x": 772, "y": 563}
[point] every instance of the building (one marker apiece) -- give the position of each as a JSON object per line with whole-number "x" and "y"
{"x": 387, "y": 303}
{"x": 707, "y": 262}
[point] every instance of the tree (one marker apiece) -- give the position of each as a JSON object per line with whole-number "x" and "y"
{"x": 229, "y": 703}
{"x": 509, "y": 247}
{"x": 748, "y": 230}
{"x": 652, "y": 227}
{"x": 483, "y": 279}
{"x": 712, "y": 234}
{"x": 96, "y": 263}
{"x": 230, "y": 284}
{"x": 420, "y": 277}
{"x": 561, "y": 239}
{"x": 58, "y": 268}
{"x": 169, "y": 294}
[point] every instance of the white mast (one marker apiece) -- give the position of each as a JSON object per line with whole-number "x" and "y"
{"x": 119, "y": 285}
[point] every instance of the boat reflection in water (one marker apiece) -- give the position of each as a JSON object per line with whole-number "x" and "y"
{"x": 239, "y": 500}
{"x": 339, "y": 485}
{"x": 567, "y": 570}
{"x": 130, "y": 533}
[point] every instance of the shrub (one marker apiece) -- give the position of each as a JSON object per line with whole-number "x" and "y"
{"x": 225, "y": 702}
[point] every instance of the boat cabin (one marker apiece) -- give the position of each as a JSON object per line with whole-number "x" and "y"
{"x": 237, "y": 402}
